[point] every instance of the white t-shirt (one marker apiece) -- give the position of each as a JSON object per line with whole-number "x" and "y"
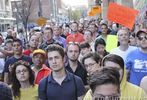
{"x": 121, "y": 53}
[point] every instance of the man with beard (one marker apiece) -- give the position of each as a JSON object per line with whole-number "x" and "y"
{"x": 74, "y": 66}
{"x": 40, "y": 69}
{"x": 81, "y": 28}
{"x": 75, "y": 36}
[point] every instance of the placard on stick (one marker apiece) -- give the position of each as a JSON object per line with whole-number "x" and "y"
{"x": 122, "y": 15}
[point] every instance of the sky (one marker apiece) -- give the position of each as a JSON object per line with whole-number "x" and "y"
{"x": 75, "y": 2}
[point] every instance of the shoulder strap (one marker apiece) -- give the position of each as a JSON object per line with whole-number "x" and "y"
{"x": 46, "y": 86}
{"x": 75, "y": 85}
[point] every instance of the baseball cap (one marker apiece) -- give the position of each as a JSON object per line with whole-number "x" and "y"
{"x": 39, "y": 51}
{"x": 141, "y": 31}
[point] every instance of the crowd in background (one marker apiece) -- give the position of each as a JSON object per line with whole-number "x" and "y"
{"x": 71, "y": 62}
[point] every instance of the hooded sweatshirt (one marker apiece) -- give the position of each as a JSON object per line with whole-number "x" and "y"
{"x": 128, "y": 91}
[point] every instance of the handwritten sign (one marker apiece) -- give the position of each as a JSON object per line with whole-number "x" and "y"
{"x": 122, "y": 15}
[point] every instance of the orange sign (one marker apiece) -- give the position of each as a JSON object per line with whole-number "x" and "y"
{"x": 90, "y": 13}
{"x": 122, "y": 15}
{"x": 41, "y": 21}
{"x": 96, "y": 9}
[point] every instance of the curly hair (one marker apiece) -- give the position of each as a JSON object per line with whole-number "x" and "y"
{"x": 15, "y": 82}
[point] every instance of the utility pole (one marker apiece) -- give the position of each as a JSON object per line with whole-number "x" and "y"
{"x": 40, "y": 8}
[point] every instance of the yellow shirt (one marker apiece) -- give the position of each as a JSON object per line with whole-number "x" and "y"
{"x": 29, "y": 93}
{"x": 128, "y": 91}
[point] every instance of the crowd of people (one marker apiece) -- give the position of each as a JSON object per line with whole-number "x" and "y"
{"x": 71, "y": 62}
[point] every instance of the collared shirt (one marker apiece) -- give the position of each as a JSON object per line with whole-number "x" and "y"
{"x": 49, "y": 89}
{"x": 43, "y": 72}
{"x": 60, "y": 40}
{"x": 78, "y": 37}
{"x": 80, "y": 71}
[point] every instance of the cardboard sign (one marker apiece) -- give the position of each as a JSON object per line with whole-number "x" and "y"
{"x": 112, "y": 42}
{"x": 122, "y": 15}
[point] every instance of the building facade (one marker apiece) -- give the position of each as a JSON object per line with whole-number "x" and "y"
{"x": 6, "y": 19}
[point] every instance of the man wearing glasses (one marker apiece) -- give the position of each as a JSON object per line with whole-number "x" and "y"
{"x": 136, "y": 61}
{"x": 105, "y": 84}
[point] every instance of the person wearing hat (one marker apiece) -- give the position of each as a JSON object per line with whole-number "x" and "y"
{"x": 40, "y": 69}
{"x": 136, "y": 60}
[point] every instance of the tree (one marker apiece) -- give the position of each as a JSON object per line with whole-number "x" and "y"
{"x": 23, "y": 8}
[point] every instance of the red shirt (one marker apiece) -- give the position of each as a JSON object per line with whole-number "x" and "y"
{"x": 27, "y": 52}
{"x": 78, "y": 37}
{"x": 43, "y": 72}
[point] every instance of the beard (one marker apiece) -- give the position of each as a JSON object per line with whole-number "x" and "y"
{"x": 73, "y": 60}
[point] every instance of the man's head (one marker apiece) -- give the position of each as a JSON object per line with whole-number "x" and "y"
{"x": 105, "y": 84}
{"x": 73, "y": 51}
{"x": 39, "y": 57}
{"x": 88, "y": 35}
{"x": 57, "y": 30}
{"x": 104, "y": 28}
{"x": 115, "y": 61}
{"x": 17, "y": 47}
{"x": 9, "y": 32}
{"x": 123, "y": 36}
{"x": 34, "y": 41}
{"x": 81, "y": 28}
{"x": 100, "y": 45}
{"x": 55, "y": 54}
{"x": 47, "y": 33}
{"x": 142, "y": 39}
{"x": 74, "y": 27}
{"x": 85, "y": 48}
{"x": 91, "y": 62}
{"x": 92, "y": 28}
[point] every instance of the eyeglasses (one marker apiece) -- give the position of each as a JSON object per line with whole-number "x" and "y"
{"x": 109, "y": 97}
{"x": 142, "y": 37}
{"x": 19, "y": 71}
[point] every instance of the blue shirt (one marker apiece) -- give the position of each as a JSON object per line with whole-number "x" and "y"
{"x": 136, "y": 63}
{"x": 61, "y": 40}
{"x": 65, "y": 91}
{"x": 10, "y": 61}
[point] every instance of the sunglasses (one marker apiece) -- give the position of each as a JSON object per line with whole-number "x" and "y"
{"x": 142, "y": 37}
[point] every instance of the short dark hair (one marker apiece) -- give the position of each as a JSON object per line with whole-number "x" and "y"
{"x": 17, "y": 40}
{"x": 84, "y": 45}
{"x": 56, "y": 47}
{"x": 99, "y": 41}
{"x": 103, "y": 76}
{"x": 75, "y": 23}
{"x": 92, "y": 55}
{"x": 48, "y": 28}
{"x": 103, "y": 24}
{"x": 73, "y": 43}
{"x": 113, "y": 58}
